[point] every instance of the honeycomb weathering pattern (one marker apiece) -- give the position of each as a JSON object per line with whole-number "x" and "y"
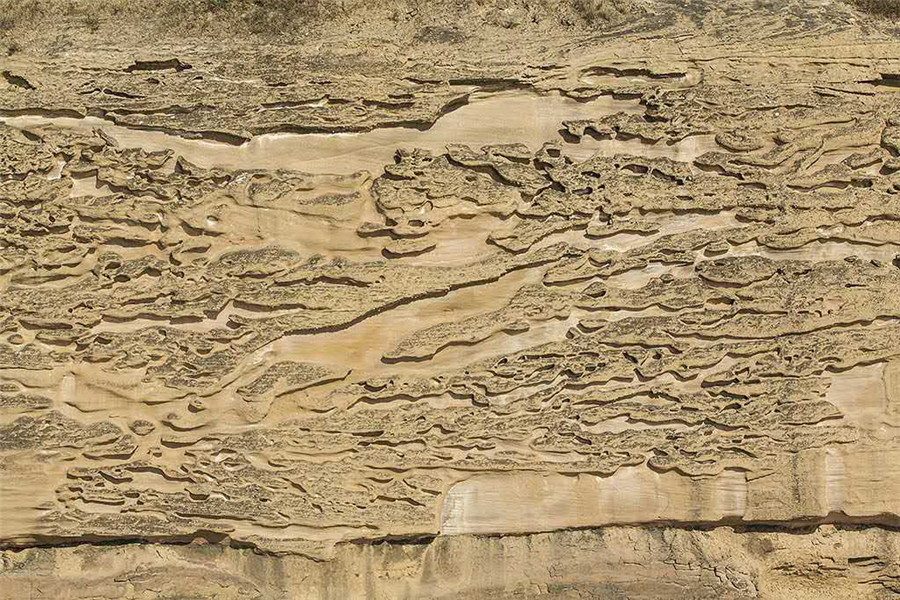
{"x": 612, "y": 315}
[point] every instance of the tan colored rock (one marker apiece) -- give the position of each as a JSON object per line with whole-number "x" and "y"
{"x": 550, "y": 312}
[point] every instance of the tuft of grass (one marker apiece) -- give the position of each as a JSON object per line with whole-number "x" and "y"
{"x": 604, "y": 11}
{"x": 92, "y": 22}
{"x": 14, "y": 13}
{"x": 261, "y": 17}
{"x": 279, "y": 16}
{"x": 884, "y": 8}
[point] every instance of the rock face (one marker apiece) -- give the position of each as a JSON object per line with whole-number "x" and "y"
{"x": 643, "y": 563}
{"x": 609, "y": 314}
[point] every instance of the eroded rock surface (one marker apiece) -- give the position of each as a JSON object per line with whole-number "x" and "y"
{"x": 626, "y": 317}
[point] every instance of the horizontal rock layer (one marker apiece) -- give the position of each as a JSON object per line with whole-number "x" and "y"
{"x": 851, "y": 562}
{"x": 314, "y": 316}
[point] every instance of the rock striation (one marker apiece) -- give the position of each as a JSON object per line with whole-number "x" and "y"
{"x": 621, "y": 320}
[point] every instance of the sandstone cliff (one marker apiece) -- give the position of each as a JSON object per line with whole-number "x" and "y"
{"x": 509, "y": 299}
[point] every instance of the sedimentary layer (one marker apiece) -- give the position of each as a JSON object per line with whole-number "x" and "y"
{"x": 628, "y": 300}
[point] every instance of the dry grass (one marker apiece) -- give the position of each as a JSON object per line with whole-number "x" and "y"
{"x": 604, "y": 11}
{"x": 274, "y": 16}
{"x": 255, "y": 16}
{"x": 54, "y": 25}
{"x": 18, "y": 12}
{"x": 884, "y": 8}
